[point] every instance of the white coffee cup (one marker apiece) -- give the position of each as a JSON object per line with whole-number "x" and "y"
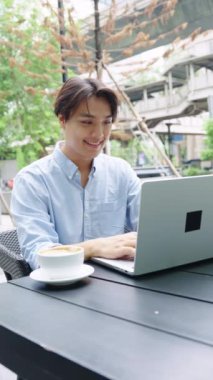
{"x": 61, "y": 261}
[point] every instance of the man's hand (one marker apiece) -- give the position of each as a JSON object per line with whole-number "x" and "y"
{"x": 112, "y": 247}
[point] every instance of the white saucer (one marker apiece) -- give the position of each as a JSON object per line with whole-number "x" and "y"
{"x": 40, "y": 275}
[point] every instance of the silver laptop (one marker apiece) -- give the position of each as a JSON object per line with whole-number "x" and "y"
{"x": 175, "y": 225}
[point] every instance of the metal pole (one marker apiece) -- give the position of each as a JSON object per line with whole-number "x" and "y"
{"x": 169, "y": 135}
{"x": 62, "y": 33}
{"x": 98, "y": 55}
{"x": 98, "y": 49}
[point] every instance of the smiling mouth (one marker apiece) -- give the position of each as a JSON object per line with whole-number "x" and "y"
{"x": 93, "y": 144}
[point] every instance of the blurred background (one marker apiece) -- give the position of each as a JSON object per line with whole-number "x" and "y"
{"x": 158, "y": 53}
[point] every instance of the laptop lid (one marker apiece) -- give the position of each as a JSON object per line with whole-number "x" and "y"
{"x": 175, "y": 225}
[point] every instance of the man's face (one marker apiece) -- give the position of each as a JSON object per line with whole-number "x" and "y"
{"x": 88, "y": 129}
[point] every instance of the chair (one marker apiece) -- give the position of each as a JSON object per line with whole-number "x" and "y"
{"x": 11, "y": 261}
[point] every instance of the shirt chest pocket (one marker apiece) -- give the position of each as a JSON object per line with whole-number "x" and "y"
{"x": 108, "y": 218}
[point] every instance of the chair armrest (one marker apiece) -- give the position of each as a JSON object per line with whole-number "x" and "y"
{"x": 13, "y": 264}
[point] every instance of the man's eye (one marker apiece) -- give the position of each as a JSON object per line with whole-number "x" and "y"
{"x": 108, "y": 122}
{"x": 87, "y": 122}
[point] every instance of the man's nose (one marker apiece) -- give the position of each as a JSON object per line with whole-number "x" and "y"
{"x": 98, "y": 129}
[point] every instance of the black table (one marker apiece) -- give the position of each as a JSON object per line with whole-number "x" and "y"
{"x": 110, "y": 326}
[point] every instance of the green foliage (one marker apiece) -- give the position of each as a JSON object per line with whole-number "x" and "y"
{"x": 29, "y": 73}
{"x": 128, "y": 151}
{"x": 193, "y": 171}
{"x": 207, "y": 153}
{"x": 20, "y": 158}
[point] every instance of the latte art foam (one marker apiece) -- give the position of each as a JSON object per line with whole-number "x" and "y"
{"x": 60, "y": 250}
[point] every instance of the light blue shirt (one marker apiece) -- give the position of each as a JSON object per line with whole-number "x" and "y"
{"x": 50, "y": 206}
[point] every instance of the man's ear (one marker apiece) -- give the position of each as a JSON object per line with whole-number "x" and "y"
{"x": 61, "y": 120}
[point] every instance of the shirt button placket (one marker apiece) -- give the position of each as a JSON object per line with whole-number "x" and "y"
{"x": 86, "y": 215}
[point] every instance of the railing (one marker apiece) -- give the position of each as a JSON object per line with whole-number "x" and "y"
{"x": 177, "y": 99}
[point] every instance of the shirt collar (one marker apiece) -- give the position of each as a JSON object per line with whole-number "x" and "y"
{"x": 68, "y": 167}
{"x": 95, "y": 165}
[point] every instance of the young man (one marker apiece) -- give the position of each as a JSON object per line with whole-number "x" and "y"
{"x": 77, "y": 195}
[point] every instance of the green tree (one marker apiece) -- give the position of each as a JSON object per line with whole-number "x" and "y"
{"x": 207, "y": 153}
{"x": 30, "y": 73}
{"x": 128, "y": 151}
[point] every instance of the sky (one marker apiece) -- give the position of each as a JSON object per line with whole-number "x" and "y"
{"x": 83, "y": 8}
